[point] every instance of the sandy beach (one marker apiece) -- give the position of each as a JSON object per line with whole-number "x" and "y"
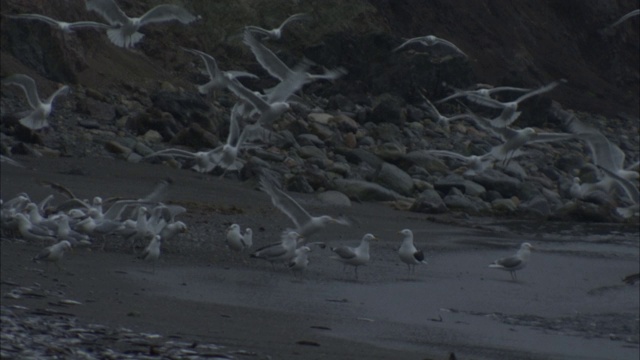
{"x": 569, "y": 302}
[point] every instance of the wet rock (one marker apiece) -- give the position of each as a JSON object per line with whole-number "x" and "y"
{"x": 117, "y": 148}
{"x": 356, "y": 156}
{"x": 310, "y": 151}
{"x": 430, "y": 202}
{"x": 196, "y": 137}
{"x": 392, "y": 177}
{"x": 365, "y": 190}
{"x": 428, "y": 162}
{"x": 390, "y": 151}
{"x": 503, "y": 206}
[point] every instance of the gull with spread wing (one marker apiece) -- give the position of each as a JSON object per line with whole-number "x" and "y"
{"x": 125, "y": 32}
{"x": 276, "y": 33}
{"x": 37, "y": 118}
{"x": 306, "y": 225}
{"x": 217, "y": 79}
{"x": 431, "y": 40}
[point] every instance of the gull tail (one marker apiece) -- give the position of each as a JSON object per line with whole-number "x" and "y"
{"x": 33, "y": 122}
{"x": 496, "y": 266}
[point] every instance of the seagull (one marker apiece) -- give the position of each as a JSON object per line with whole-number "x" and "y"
{"x": 440, "y": 119}
{"x": 53, "y": 253}
{"x": 482, "y": 92}
{"x": 31, "y": 232}
{"x": 205, "y": 161}
{"x": 431, "y": 40}
{"x": 126, "y": 33}
{"x": 276, "y": 34}
{"x": 236, "y": 240}
{"x": 625, "y": 17}
{"x": 509, "y": 109}
{"x": 279, "y": 251}
{"x": 306, "y": 225}
{"x": 300, "y": 259}
{"x": 37, "y": 118}
{"x": 217, "y": 79}
{"x": 475, "y": 163}
{"x": 515, "y": 262}
{"x": 515, "y": 139}
{"x": 171, "y": 230}
{"x": 354, "y": 256}
{"x": 278, "y": 69}
{"x": 64, "y": 26}
{"x": 408, "y": 252}
{"x": 152, "y": 251}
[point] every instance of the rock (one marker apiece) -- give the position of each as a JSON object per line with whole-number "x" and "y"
{"x": 392, "y": 177}
{"x": 116, "y": 148}
{"x": 100, "y": 111}
{"x": 537, "y": 206}
{"x": 455, "y": 199}
{"x": 310, "y": 151}
{"x": 584, "y": 212}
{"x": 344, "y": 123}
{"x": 334, "y": 198}
{"x": 89, "y": 124}
{"x": 430, "y": 202}
{"x": 340, "y": 168}
{"x": 320, "y": 118}
{"x": 492, "y": 179}
{"x": 196, "y": 137}
{"x": 427, "y": 161}
{"x": 310, "y": 139}
{"x": 152, "y": 137}
{"x": 388, "y": 108}
{"x": 365, "y": 190}
{"x": 467, "y": 186}
{"x": 390, "y": 151}
{"x": 322, "y": 131}
{"x": 356, "y": 156}
{"x": 503, "y": 206}
{"x": 349, "y": 140}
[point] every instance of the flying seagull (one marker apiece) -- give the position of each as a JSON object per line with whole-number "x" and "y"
{"x": 305, "y": 224}
{"x": 429, "y": 41}
{"x": 276, "y": 34}
{"x": 37, "y": 118}
{"x": 125, "y": 34}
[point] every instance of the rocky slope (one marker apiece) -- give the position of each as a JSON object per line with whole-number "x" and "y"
{"x": 129, "y": 103}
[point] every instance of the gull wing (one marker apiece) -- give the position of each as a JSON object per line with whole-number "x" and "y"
{"x": 209, "y": 62}
{"x": 509, "y": 262}
{"x": 167, "y": 12}
{"x": 345, "y": 252}
{"x": 28, "y": 86}
{"x": 539, "y": 91}
{"x": 626, "y": 185}
{"x": 266, "y": 58}
{"x": 285, "y": 203}
{"x": 88, "y": 24}
{"x": 39, "y": 17}
{"x": 109, "y": 10}
{"x": 295, "y": 17}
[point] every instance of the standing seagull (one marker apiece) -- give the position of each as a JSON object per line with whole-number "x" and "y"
{"x": 300, "y": 259}
{"x": 62, "y": 25}
{"x": 53, "y": 253}
{"x": 236, "y": 240}
{"x": 152, "y": 252}
{"x": 408, "y": 252}
{"x": 126, "y": 33}
{"x": 280, "y": 251}
{"x": 354, "y": 256}
{"x": 276, "y": 34}
{"x": 431, "y": 40}
{"x": 37, "y": 118}
{"x": 515, "y": 262}
{"x": 306, "y": 225}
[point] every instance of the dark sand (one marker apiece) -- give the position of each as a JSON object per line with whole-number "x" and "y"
{"x": 569, "y": 303}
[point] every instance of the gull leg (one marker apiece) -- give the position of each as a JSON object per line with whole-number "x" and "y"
{"x": 356, "y": 271}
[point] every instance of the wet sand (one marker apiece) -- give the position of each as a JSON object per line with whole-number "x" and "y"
{"x": 569, "y": 303}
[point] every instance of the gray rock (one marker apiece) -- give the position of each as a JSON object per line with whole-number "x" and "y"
{"x": 341, "y": 168}
{"x": 388, "y": 108}
{"x": 455, "y": 199}
{"x": 429, "y": 202}
{"x": 334, "y": 198}
{"x": 365, "y": 190}
{"x": 392, "y": 177}
{"x": 538, "y": 206}
{"x": 503, "y": 206}
{"x": 430, "y": 163}
{"x": 467, "y": 186}
{"x": 310, "y": 151}
{"x": 356, "y": 156}
{"x": 492, "y": 179}
{"x": 310, "y": 139}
